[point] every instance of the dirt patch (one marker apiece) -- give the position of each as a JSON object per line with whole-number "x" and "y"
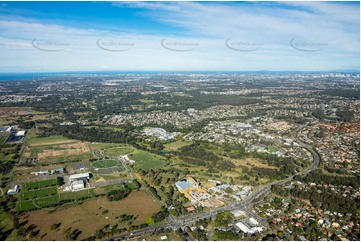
{"x": 67, "y": 149}
{"x": 88, "y": 216}
{"x": 26, "y": 154}
{"x": 100, "y": 179}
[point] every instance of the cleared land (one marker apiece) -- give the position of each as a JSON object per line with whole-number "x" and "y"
{"x": 63, "y": 150}
{"x": 90, "y": 216}
{"x": 56, "y": 149}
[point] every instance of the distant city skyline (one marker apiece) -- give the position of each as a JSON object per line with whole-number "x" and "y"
{"x": 179, "y": 36}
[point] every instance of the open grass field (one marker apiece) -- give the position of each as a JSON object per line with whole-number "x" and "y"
{"x": 103, "y": 164}
{"x": 102, "y": 146}
{"x": 90, "y": 216}
{"x": 39, "y": 184}
{"x": 146, "y": 160}
{"x": 173, "y": 146}
{"x": 117, "y": 151}
{"x": 88, "y": 193}
{"x": 44, "y": 192}
{"x": 37, "y": 203}
{"x": 38, "y": 195}
{"x": 45, "y": 140}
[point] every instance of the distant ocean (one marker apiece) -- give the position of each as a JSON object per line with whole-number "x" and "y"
{"x": 18, "y": 76}
{"x": 41, "y": 75}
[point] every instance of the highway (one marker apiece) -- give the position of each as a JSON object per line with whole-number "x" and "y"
{"x": 182, "y": 222}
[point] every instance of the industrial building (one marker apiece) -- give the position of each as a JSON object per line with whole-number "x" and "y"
{"x": 78, "y": 181}
{"x": 248, "y": 226}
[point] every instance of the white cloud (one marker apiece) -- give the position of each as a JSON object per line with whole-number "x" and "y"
{"x": 166, "y": 6}
{"x": 208, "y": 24}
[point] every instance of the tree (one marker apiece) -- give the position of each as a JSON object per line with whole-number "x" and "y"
{"x": 60, "y": 181}
{"x": 150, "y": 220}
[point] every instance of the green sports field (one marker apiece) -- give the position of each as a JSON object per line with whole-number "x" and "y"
{"x": 39, "y": 184}
{"x": 103, "y": 164}
{"x": 41, "y": 194}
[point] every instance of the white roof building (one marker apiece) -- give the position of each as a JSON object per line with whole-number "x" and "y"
{"x": 79, "y": 176}
{"x": 163, "y": 237}
{"x": 253, "y": 221}
{"x": 20, "y": 133}
{"x": 241, "y": 226}
{"x": 238, "y": 213}
{"x": 246, "y": 228}
{"x": 77, "y": 185}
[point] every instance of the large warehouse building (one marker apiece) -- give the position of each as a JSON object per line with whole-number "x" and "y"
{"x": 79, "y": 181}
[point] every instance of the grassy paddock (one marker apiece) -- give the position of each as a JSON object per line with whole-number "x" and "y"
{"x": 88, "y": 193}
{"x": 90, "y": 216}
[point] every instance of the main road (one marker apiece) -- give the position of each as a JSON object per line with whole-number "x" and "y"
{"x": 182, "y": 222}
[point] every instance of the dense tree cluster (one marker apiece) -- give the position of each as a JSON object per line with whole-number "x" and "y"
{"x": 6, "y": 166}
{"x": 119, "y": 194}
{"x": 345, "y": 114}
{"x": 92, "y": 134}
{"x": 161, "y": 215}
{"x": 225, "y": 235}
{"x": 328, "y": 200}
{"x": 197, "y": 152}
{"x": 223, "y": 219}
{"x": 319, "y": 113}
{"x": 317, "y": 176}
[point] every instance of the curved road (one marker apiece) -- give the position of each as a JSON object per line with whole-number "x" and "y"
{"x": 263, "y": 191}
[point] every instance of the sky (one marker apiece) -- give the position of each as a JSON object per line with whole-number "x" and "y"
{"x": 187, "y": 36}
